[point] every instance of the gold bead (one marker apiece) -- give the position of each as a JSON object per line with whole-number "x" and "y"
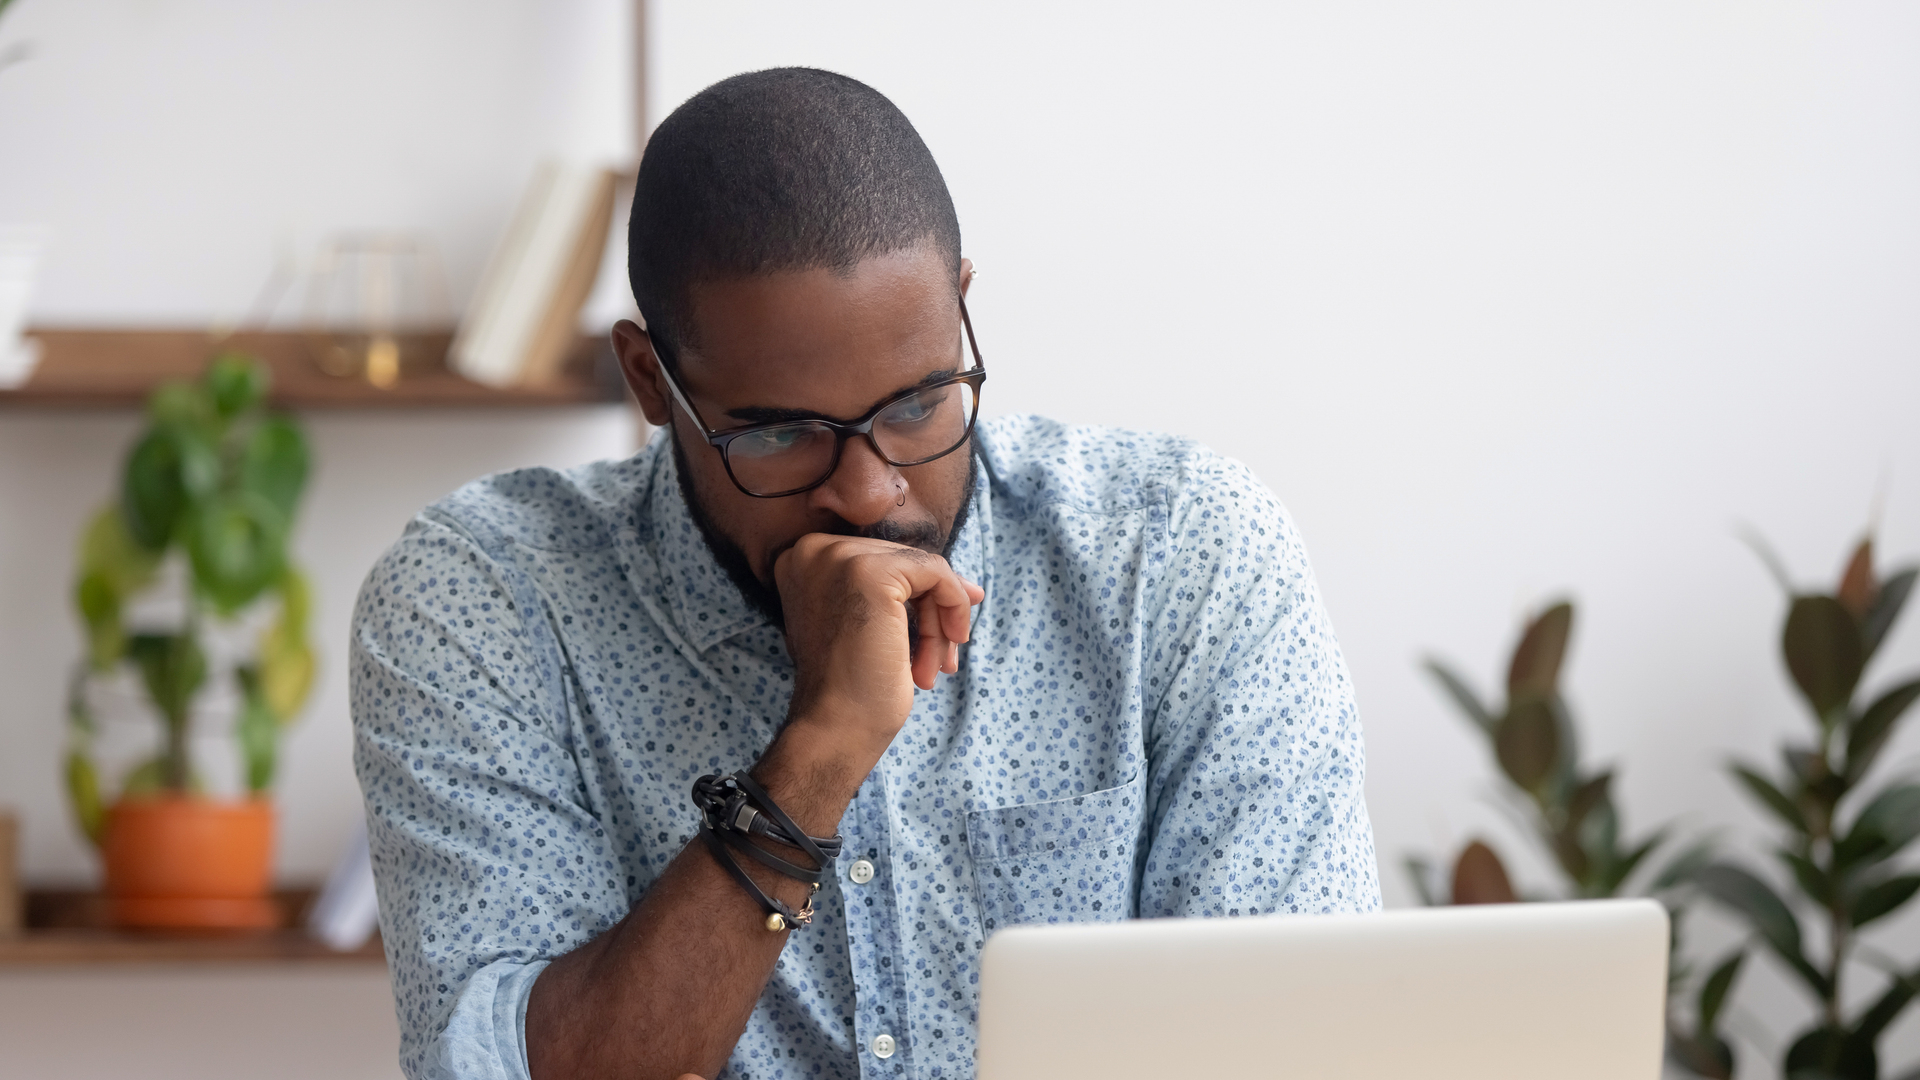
{"x": 776, "y": 922}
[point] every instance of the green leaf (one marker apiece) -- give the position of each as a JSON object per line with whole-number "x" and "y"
{"x": 1713, "y": 993}
{"x": 1826, "y": 1053}
{"x": 1421, "y": 871}
{"x": 1771, "y": 797}
{"x": 1812, "y": 880}
{"x": 236, "y": 383}
{"x": 1875, "y": 727}
{"x": 1586, "y": 797}
{"x": 1680, "y": 869}
{"x": 1884, "y": 1011}
{"x": 286, "y": 673}
{"x": 99, "y": 605}
{"x": 153, "y": 494}
{"x": 183, "y": 404}
{"x": 1763, "y": 909}
{"x": 257, "y": 730}
{"x": 1884, "y": 826}
{"x": 1535, "y": 670}
{"x": 83, "y": 794}
{"x": 1621, "y": 868}
{"x": 1823, "y": 651}
{"x": 1702, "y": 1054}
{"x": 1884, "y": 898}
{"x": 173, "y": 669}
{"x": 147, "y": 778}
{"x": 1527, "y": 743}
{"x": 237, "y": 545}
{"x": 274, "y": 464}
{"x": 1770, "y": 559}
{"x": 108, "y": 549}
{"x": 296, "y": 605}
{"x": 1463, "y": 696}
{"x": 1886, "y": 608}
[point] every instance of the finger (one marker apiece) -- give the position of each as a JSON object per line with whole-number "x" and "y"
{"x": 952, "y": 666}
{"x": 930, "y": 652}
{"x": 929, "y": 578}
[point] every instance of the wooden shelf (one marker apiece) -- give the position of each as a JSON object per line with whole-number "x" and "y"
{"x": 117, "y": 369}
{"x": 68, "y": 927}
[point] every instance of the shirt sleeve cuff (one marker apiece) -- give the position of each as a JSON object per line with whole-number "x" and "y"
{"x": 486, "y": 1036}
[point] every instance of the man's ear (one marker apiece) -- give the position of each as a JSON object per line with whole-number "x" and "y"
{"x": 641, "y": 366}
{"x": 966, "y": 275}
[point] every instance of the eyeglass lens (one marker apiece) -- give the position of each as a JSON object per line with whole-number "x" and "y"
{"x": 912, "y": 430}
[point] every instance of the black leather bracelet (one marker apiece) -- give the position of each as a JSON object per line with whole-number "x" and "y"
{"x": 735, "y": 808}
{"x": 737, "y": 805}
{"x": 779, "y": 915}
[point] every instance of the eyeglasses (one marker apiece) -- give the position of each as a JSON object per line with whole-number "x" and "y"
{"x": 787, "y": 457}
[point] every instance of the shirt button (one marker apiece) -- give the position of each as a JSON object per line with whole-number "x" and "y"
{"x": 862, "y": 872}
{"x": 883, "y": 1046}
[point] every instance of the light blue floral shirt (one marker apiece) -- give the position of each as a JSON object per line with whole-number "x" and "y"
{"x": 1153, "y": 719}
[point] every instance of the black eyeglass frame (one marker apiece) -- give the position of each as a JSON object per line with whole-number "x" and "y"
{"x": 720, "y": 440}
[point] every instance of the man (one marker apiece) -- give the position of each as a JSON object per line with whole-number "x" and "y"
{"x": 1025, "y": 672}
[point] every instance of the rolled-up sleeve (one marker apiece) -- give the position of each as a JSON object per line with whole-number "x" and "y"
{"x": 1256, "y": 790}
{"x": 487, "y": 859}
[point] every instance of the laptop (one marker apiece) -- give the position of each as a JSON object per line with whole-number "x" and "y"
{"x": 1574, "y": 991}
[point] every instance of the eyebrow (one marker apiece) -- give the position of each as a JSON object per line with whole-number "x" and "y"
{"x": 763, "y": 414}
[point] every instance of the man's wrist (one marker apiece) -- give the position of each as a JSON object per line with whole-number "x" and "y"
{"x": 814, "y": 769}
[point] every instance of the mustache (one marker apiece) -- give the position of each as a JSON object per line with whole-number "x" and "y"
{"x": 925, "y": 535}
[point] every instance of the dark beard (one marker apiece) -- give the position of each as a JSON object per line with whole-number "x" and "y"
{"x": 765, "y": 598}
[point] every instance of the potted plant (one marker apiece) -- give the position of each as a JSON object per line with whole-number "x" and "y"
{"x": 1569, "y": 810}
{"x": 1840, "y": 837}
{"x": 206, "y": 503}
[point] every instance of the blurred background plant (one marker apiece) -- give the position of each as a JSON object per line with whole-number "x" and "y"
{"x": 1840, "y": 837}
{"x": 16, "y": 52}
{"x": 213, "y": 483}
{"x": 1569, "y": 810}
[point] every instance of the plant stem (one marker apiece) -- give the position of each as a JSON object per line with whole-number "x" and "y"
{"x": 175, "y": 760}
{"x": 1840, "y": 943}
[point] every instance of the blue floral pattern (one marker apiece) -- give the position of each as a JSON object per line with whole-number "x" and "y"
{"x": 1153, "y": 719}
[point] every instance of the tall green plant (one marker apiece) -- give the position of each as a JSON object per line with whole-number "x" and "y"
{"x": 1840, "y": 837}
{"x": 214, "y": 481}
{"x": 1569, "y": 809}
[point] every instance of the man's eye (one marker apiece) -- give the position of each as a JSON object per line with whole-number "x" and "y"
{"x": 778, "y": 440}
{"x": 917, "y": 408}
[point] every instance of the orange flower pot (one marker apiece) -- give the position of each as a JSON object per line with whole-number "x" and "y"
{"x": 190, "y": 863}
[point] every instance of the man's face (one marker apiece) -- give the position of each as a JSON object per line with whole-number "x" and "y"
{"x": 803, "y": 344}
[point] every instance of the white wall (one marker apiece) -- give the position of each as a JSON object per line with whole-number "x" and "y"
{"x": 1505, "y": 300}
{"x": 175, "y": 149}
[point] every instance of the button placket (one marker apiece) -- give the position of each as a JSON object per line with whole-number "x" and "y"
{"x": 873, "y": 938}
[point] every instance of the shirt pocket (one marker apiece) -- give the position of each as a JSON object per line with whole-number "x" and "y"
{"x": 1063, "y": 860}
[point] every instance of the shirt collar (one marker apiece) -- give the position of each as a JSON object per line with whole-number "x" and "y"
{"x": 707, "y": 606}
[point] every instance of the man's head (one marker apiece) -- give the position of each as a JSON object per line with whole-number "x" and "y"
{"x": 796, "y": 254}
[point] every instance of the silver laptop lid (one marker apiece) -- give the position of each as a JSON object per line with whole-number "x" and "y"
{"x": 1574, "y": 991}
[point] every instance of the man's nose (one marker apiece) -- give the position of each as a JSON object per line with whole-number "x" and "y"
{"x": 864, "y": 488}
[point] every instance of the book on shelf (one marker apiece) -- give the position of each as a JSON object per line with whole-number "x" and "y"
{"x": 522, "y": 321}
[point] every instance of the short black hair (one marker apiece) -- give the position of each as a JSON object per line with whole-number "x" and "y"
{"x": 784, "y": 169}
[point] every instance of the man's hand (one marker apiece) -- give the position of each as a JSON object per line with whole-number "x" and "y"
{"x": 846, "y": 600}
